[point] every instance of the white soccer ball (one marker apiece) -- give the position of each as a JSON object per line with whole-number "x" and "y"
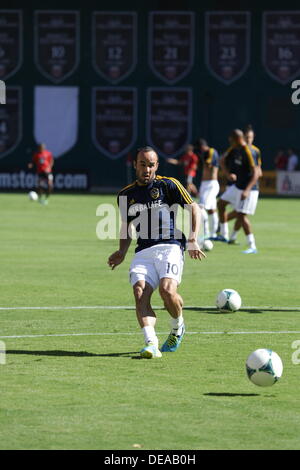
{"x": 228, "y": 300}
{"x": 207, "y": 245}
{"x": 264, "y": 367}
{"x": 33, "y": 196}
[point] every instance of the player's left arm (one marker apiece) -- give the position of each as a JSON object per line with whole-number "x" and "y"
{"x": 51, "y": 160}
{"x": 195, "y": 220}
{"x": 180, "y": 196}
{"x": 256, "y": 173}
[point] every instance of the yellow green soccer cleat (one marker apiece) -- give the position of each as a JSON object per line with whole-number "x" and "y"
{"x": 173, "y": 342}
{"x": 150, "y": 352}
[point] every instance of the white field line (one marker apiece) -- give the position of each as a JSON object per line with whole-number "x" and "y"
{"x": 159, "y": 333}
{"x": 132, "y": 307}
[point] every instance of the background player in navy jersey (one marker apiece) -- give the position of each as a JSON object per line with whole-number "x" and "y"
{"x": 243, "y": 194}
{"x": 209, "y": 188}
{"x": 249, "y": 138}
{"x": 150, "y": 205}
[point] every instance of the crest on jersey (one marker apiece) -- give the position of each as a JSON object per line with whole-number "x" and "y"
{"x": 154, "y": 193}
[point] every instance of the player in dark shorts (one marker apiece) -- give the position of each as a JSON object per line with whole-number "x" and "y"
{"x": 189, "y": 161}
{"x": 43, "y": 161}
{"x": 243, "y": 194}
{"x": 149, "y": 204}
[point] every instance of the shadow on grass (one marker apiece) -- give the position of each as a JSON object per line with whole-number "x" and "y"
{"x": 214, "y": 311}
{"x": 60, "y": 353}
{"x": 212, "y": 394}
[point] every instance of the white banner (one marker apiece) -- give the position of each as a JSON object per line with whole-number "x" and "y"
{"x": 56, "y": 117}
{"x": 288, "y": 183}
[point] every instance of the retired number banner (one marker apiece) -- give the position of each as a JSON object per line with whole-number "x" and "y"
{"x": 11, "y": 46}
{"x": 11, "y": 121}
{"x": 281, "y": 45}
{"x": 114, "y": 44}
{"x": 114, "y": 119}
{"x": 169, "y": 115}
{"x": 227, "y": 46}
{"x": 57, "y": 43}
{"x": 171, "y": 44}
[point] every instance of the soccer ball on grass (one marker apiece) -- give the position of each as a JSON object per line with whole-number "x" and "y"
{"x": 264, "y": 367}
{"x": 228, "y": 300}
{"x": 33, "y": 196}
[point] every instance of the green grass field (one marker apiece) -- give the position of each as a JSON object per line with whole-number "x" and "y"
{"x": 86, "y": 389}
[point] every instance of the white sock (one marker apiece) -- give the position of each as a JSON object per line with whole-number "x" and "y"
{"x": 205, "y": 222}
{"x": 176, "y": 325}
{"x": 150, "y": 335}
{"x": 233, "y": 236}
{"x": 224, "y": 230}
{"x": 214, "y": 222}
{"x": 251, "y": 241}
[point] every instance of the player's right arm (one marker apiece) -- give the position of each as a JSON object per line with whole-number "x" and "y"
{"x": 125, "y": 240}
{"x": 173, "y": 161}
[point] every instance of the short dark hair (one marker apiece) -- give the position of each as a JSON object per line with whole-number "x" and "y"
{"x": 248, "y": 128}
{"x": 202, "y": 142}
{"x": 144, "y": 149}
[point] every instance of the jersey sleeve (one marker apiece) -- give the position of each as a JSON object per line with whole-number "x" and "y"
{"x": 123, "y": 204}
{"x": 252, "y": 156}
{"x": 215, "y": 159}
{"x": 258, "y": 155}
{"x": 178, "y": 194}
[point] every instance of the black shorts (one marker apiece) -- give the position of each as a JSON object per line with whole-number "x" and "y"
{"x": 46, "y": 176}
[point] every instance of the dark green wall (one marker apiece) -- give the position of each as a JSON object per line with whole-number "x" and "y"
{"x": 217, "y": 108}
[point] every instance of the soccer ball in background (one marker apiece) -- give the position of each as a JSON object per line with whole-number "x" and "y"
{"x": 207, "y": 245}
{"x": 264, "y": 367}
{"x": 33, "y": 196}
{"x": 228, "y": 300}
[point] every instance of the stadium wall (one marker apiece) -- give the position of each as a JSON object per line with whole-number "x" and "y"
{"x": 211, "y": 104}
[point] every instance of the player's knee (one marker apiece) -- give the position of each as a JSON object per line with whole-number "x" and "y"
{"x": 221, "y": 205}
{"x": 167, "y": 291}
{"x": 141, "y": 293}
{"x": 138, "y": 291}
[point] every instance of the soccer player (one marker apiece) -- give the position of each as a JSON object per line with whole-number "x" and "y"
{"x": 43, "y": 161}
{"x": 209, "y": 189}
{"x": 249, "y": 138}
{"x": 189, "y": 161}
{"x": 243, "y": 194}
{"x": 150, "y": 205}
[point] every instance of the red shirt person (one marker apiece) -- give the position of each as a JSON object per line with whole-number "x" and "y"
{"x": 43, "y": 161}
{"x": 189, "y": 160}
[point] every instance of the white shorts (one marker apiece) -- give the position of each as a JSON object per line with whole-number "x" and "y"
{"x": 246, "y": 206}
{"x": 208, "y": 193}
{"x": 156, "y": 262}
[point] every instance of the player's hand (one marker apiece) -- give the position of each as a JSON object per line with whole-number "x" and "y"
{"x": 245, "y": 194}
{"x": 194, "y": 251}
{"x": 232, "y": 177}
{"x": 115, "y": 259}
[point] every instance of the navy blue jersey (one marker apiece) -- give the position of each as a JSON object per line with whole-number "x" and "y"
{"x": 152, "y": 209}
{"x": 211, "y": 157}
{"x": 241, "y": 160}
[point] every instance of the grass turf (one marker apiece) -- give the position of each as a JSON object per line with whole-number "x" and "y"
{"x": 91, "y": 391}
